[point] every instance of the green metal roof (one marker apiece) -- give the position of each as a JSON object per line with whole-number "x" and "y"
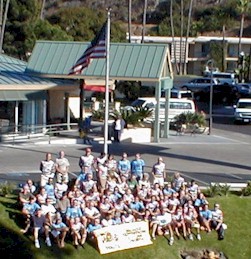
{"x": 22, "y": 95}
{"x": 12, "y": 75}
{"x": 127, "y": 61}
{"x": 8, "y": 63}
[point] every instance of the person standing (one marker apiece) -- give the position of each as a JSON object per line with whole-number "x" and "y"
{"x": 137, "y": 167}
{"x": 158, "y": 172}
{"x": 124, "y": 166}
{"x": 86, "y": 163}
{"x": 47, "y": 168}
{"x": 119, "y": 125}
{"x": 62, "y": 168}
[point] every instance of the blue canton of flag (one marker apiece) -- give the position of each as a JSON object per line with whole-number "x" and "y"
{"x": 97, "y": 49}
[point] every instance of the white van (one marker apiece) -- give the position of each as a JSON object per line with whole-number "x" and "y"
{"x": 177, "y": 106}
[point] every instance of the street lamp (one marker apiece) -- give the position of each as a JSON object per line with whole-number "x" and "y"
{"x": 211, "y": 68}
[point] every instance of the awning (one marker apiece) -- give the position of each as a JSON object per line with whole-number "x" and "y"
{"x": 14, "y": 95}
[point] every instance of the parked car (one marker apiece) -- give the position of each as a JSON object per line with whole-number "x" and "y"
{"x": 222, "y": 94}
{"x": 199, "y": 84}
{"x": 223, "y": 78}
{"x": 244, "y": 89}
{"x": 243, "y": 110}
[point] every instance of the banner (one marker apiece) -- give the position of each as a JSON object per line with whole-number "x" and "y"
{"x": 123, "y": 236}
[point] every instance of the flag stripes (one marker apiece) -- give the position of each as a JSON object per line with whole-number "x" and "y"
{"x": 97, "y": 49}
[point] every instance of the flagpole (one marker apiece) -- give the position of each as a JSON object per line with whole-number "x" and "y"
{"x": 107, "y": 85}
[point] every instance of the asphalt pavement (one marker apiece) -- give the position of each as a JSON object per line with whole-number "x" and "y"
{"x": 223, "y": 156}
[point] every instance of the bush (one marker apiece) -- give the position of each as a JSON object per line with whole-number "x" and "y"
{"x": 246, "y": 191}
{"x": 218, "y": 189}
{"x": 6, "y": 188}
{"x": 190, "y": 118}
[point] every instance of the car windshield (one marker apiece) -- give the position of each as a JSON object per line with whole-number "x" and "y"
{"x": 137, "y": 103}
{"x": 246, "y": 105}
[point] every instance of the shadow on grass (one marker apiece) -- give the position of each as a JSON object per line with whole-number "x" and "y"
{"x": 14, "y": 244}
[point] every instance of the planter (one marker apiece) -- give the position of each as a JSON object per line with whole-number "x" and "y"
{"x": 136, "y": 135}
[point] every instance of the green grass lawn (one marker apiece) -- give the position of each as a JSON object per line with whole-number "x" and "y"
{"x": 235, "y": 245}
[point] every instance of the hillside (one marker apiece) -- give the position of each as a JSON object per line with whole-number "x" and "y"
{"x": 120, "y": 13}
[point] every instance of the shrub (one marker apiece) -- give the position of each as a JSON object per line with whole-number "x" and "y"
{"x": 246, "y": 191}
{"x": 213, "y": 190}
{"x": 6, "y": 188}
{"x": 224, "y": 189}
{"x": 190, "y": 118}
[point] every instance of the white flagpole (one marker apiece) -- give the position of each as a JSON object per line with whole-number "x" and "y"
{"x": 107, "y": 85}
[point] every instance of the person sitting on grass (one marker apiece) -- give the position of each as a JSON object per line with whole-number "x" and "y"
{"x": 178, "y": 222}
{"x": 217, "y": 221}
{"x": 59, "y": 231}
{"x": 25, "y": 195}
{"x": 28, "y": 211}
{"x": 191, "y": 221}
{"x": 92, "y": 226}
{"x": 205, "y": 217}
{"x": 73, "y": 212}
{"x": 40, "y": 226}
{"x": 78, "y": 232}
{"x": 162, "y": 225}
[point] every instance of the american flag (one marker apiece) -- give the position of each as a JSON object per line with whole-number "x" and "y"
{"x": 97, "y": 49}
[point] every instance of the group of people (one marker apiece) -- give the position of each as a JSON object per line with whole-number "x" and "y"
{"x": 109, "y": 192}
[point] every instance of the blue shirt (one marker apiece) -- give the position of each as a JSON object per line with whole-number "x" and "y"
{"x": 31, "y": 207}
{"x": 207, "y": 214}
{"x": 138, "y": 206}
{"x": 74, "y": 212}
{"x": 124, "y": 165}
{"x": 137, "y": 166}
{"x": 92, "y": 227}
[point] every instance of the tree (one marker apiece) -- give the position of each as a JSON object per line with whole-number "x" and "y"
{"x": 82, "y": 24}
{"x": 243, "y": 7}
{"x": 20, "y": 16}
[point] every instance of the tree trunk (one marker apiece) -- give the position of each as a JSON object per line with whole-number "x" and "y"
{"x": 42, "y": 10}
{"x": 187, "y": 36}
{"x": 173, "y": 40}
{"x": 241, "y": 33}
{"x": 144, "y": 22}
{"x": 129, "y": 20}
{"x": 3, "y": 24}
{"x": 181, "y": 33}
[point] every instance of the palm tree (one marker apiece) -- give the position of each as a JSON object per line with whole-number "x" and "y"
{"x": 173, "y": 35}
{"x": 243, "y": 6}
{"x": 187, "y": 35}
{"x": 3, "y": 21}
{"x": 181, "y": 33}
{"x": 42, "y": 10}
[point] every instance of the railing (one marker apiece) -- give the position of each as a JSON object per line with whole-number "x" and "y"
{"x": 25, "y": 132}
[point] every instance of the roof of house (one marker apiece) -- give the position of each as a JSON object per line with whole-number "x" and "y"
{"x": 127, "y": 61}
{"x": 15, "y": 85}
